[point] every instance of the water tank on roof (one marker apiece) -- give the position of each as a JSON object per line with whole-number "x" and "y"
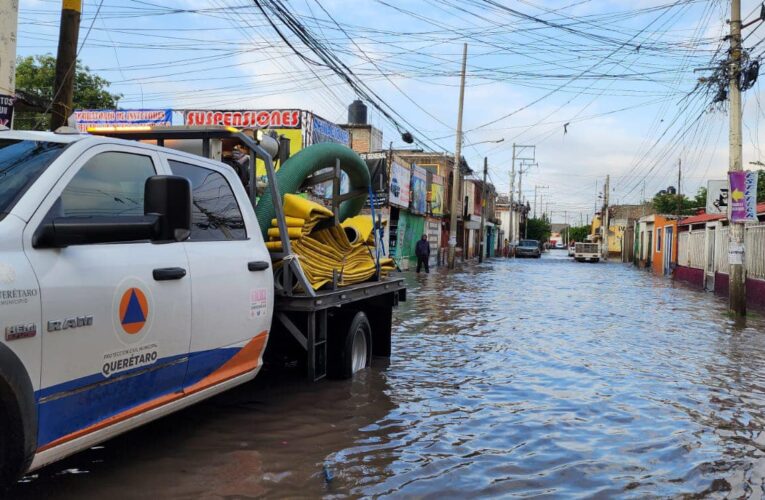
{"x": 357, "y": 113}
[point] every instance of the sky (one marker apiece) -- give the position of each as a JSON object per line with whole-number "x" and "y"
{"x": 599, "y": 87}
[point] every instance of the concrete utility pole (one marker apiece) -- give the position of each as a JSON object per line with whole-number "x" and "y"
{"x": 679, "y": 192}
{"x": 512, "y": 195}
{"x": 536, "y": 186}
{"x": 521, "y": 171}
{"x": 66, "y": 62}
{"x": 9, "y": 21}
{"x": 737, "y": 283}
{"x": 604, "y": 219}
{"x": 481, "y": 245}
{"x": 457, "y": 169}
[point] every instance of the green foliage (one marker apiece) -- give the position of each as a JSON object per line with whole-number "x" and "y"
{"x": 665, "y": 203}
{"x": 761, "y": 185}
{"x": 35, "y": 77}
{"x": 578, "y": 233}
{"x": 700, "y": 201}
{"x": 539, "y": 229}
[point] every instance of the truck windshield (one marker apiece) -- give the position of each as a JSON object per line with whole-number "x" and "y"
{"x": 21, "y": 163}
{"x": 529, "y": 243}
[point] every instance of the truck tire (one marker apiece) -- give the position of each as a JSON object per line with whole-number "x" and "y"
{"x": 353, "y": 350}
{"x": 11, "y": 451}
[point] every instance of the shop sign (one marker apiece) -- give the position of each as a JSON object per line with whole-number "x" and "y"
{"x": 419, "y": 190}
{"x": 6, "y": 110}
{"x": 400, "y": 179}
{"x": 324, "y": 131}
{"x": 269, "y": 118}
{"x": 437, "y": 195}
{"x": 121, "y": 118}
{"x": 743, "y": 196}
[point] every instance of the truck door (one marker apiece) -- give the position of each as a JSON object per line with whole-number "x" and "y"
{"x": 116, "y": 324}
{"x": 232, "y": 280}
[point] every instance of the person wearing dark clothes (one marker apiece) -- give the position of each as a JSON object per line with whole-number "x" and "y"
{"x": 422, "y": 251}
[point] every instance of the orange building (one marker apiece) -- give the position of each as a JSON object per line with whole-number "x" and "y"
{"x": 664, "y": 245}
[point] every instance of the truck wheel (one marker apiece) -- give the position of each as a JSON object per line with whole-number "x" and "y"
{"x": 11, "y": 454}
{"x": 354, "y": 352}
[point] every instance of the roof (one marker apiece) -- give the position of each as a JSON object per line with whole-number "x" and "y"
{"x": 705, "y": 217}
{"x": 35, "y": 135}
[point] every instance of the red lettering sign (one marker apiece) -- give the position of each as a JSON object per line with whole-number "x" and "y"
{"x": 289, "y": 118}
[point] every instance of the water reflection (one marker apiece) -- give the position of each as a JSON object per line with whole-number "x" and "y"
{"x": 524, "y": 377}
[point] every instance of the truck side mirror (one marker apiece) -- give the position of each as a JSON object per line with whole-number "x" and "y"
{"x": 169, "y": 197}
{"x": 167, "y": 217}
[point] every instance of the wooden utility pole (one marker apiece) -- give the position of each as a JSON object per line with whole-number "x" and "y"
{"x": 66, "y": 63}
{"x": 481, "y": 245}
{"x": 737, "y": 283}
{"x": 457, "y": 169}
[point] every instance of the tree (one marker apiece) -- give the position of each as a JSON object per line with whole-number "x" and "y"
{"x": 35, "y": 78}
{"x": 761, "y": 185}
{"x": 578, "y": 233}
{"x": 539, "y": 229}
{"x": 668, "y": 203}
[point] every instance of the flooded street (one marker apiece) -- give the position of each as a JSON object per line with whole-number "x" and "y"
{"x": 515, "y": 377}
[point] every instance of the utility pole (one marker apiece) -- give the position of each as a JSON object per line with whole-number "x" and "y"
{"x": 679, "y": 192}
{"x": 9, "y": 19}
{"x": 457, "y": 169}
{"x": 481, "y": 245}
{"x": 604, "y": 218}
{"x": 66, "y": 62}
{"x": 737, "y": 285}
{"x": 536, "y": 186}
{"x": 512, "y": 195}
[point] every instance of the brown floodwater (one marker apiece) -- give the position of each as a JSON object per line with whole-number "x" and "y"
{"x": 512, "y": 378}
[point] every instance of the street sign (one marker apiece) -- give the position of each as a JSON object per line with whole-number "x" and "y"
{"x": 717, "y": 197}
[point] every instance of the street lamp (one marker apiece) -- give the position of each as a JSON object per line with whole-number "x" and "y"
{"x": 758, "y": 163}
{"x": 495, "y": 141}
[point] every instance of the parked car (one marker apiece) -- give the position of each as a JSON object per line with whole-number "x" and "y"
{"x": 528, "y": 248}
{"x": 560, "y": 245}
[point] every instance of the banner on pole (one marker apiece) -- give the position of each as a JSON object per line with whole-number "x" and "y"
{"x": 743, "y": 196}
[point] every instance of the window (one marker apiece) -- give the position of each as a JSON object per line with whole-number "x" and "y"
{"x": 21, "y": 163}
{"x": 109, "y": 184}
{"x": 215, "y": 214}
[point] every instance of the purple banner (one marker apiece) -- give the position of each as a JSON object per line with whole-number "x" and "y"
{"x": 743, "y": 196}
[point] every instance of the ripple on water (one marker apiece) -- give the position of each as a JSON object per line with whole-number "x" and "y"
{"x": 522, "y": 377}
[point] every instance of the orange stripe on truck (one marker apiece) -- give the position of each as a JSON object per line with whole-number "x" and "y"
{"x": 246, "y": 360}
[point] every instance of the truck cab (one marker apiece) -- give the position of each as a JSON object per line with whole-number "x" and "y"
{"x": 134, "y": 281}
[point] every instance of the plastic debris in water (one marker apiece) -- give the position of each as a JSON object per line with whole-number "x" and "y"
{"x": 328, "y": 476}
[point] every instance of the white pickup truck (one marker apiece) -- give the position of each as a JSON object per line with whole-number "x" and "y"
{"x": 134, "y": 281}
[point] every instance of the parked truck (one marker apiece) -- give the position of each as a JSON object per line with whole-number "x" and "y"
{"x": 134, "y": 281}
{"x": 587, "y": 252}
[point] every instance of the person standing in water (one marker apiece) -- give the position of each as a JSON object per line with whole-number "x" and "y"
{"x": 422, "y": 252}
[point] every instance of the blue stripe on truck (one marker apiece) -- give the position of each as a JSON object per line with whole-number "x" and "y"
{"x": 76, "y": 404}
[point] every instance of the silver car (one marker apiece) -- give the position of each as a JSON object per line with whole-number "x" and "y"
{"x": 528, "y": 248}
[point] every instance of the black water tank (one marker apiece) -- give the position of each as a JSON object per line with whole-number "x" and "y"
{"x": 357, "y": 113}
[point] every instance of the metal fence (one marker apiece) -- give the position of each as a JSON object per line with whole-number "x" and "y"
{"x": 690, "y": 249}
{"x": 721, "y": 250}
{"x": 682, "y": 250}
{"x": 755, "y": 251}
